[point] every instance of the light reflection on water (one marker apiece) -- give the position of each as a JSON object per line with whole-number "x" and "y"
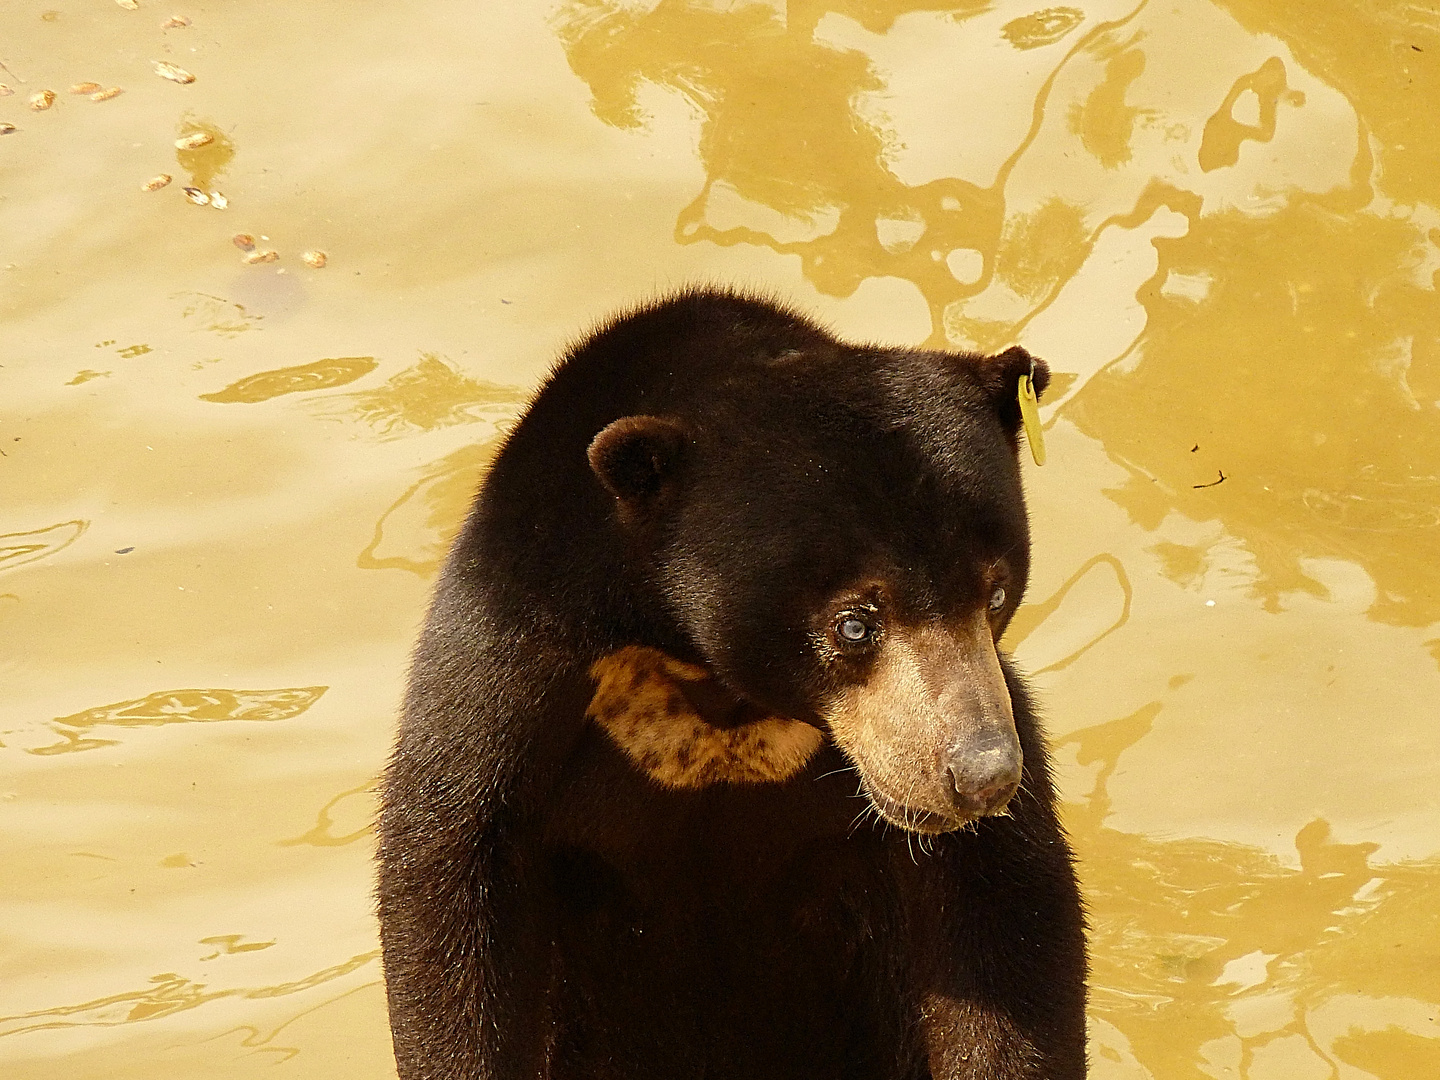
{"x": 1220, "y": 222}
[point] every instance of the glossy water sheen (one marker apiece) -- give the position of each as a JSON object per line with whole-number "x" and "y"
{"x": 225, "y": 488}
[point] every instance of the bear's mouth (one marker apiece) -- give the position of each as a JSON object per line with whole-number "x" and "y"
{"x": 910, "y": 818}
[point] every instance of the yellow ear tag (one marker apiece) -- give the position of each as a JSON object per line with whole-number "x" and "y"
{"x": 1030, "y": 416}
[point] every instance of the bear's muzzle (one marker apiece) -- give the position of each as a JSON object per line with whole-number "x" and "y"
{"x": 931, "y": 730}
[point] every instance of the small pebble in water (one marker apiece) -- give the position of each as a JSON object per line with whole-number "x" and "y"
{"x": 244, "y": 241}
{"x": 315, "y": 259}
{"x": 175, "y": 22}
{"x": 194, "y": 140}
{"x": 218, "y": 200}
{"x": 8, "y": 129}
{"x": 267, "y": 256}
{"x": 173, "y": 72}
{"x": 155, "y": 183}
{"x": 43, "y": 100}
{"x": 196, "y": 196}
{"x": 85, "y": 88}
{"x": 107, "y": 94}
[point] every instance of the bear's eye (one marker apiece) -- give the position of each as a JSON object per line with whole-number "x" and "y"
{"x": 853, "y": 630}
{"x": 997, "y": 598}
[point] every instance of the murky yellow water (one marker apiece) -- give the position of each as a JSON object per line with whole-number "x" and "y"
{"x": 225, "y": 488}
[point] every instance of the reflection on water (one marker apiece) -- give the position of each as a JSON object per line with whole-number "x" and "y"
{"x": 1041, "y": 249}
{"x": 179, "y": 707}
{"x": 1044, "y": 27}
{"x": 1304, "y": 478}
{"x": 256, "y": 1039}
{"x": 1093, "y": 611}
{"x": 198, "y": 706}
{"x": 1224, "y": 134}
{"x": 1221, "y": 953}
{"x": 352, "y": 812}
{"x": 229, "y": 944}
{"x": 86, "y": 374}
{"x": 1381, "y": 56}
{"x": 415, "y": 532}
{"x": 216, "y": 314}
{"x": 19, "y": 548}
{"x": 1206, "y": 954}
{"x": 787, "y": 130}
{"x": 1210, "y": 956}
{"x": 1104, "y": 122}
{"x": 1219, "y": 221}
{"x": 430, "y": 394}
{"x": 321, "y": 375}
{"x": 208, "y": 161}
{"x": 165, "y": 994}
{"x": 780, "y": 131}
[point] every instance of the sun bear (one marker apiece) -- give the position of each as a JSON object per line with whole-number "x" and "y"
{"x": 709, "y": 766}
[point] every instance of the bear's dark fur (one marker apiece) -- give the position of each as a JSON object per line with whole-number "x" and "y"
{"x": 709, "y": 768}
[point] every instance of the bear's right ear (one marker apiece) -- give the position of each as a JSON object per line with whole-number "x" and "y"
{"x": 634, "y": 457}
{"x": 1000, "y": 378}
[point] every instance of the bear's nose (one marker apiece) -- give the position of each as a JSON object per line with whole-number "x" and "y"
{"x": 984, "y": 773}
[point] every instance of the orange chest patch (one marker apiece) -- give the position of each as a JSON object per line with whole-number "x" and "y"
{"x": 683, "y": 731}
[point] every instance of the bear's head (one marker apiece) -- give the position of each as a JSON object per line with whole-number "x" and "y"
{"x": 840, "y": 534}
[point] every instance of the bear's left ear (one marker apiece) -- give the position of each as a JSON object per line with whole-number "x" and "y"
{"x": 1000, "y": 377}
{"x": 634, "y": 457}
